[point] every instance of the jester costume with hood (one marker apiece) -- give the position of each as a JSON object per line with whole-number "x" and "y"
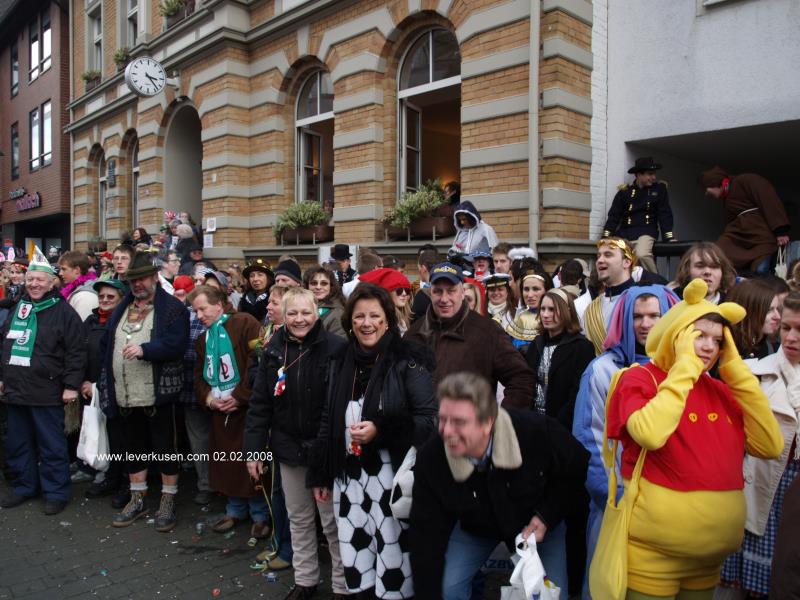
{"x": 470, "y": 239}
{"x": 690, "y": 510}
{"x": 622, "y": 351}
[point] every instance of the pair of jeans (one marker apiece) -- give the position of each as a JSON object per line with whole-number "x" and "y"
{"x": 255, "y": 507}
{"x": 466, "y": 553}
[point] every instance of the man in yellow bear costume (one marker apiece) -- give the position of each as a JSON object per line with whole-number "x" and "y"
{"x": 690, "y": 511}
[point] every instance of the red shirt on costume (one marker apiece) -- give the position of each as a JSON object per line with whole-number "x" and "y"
{"x": 705, "y": 451}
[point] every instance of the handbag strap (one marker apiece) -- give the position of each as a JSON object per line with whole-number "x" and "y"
{"x": 610, "y": 453}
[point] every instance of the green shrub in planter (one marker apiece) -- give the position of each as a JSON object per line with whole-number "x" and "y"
{"x": 90, "y": 75}
{"x": 122, "y": 55}
{"x": 302, "y": 214}
{"x": 167, "y": 8}
{"x": 415, "y": 205}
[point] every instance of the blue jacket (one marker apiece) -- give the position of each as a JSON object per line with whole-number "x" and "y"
{"x": 165, "y": 350}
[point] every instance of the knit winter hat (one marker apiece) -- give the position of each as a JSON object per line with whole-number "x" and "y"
{"x": 661, "y": 340}
{"x": 291, "y": 269}
{"x": 184, "y": 231}
{"x": 388, "y": 279}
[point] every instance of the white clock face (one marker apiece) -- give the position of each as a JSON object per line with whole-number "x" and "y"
{"x": 145, "y": 76}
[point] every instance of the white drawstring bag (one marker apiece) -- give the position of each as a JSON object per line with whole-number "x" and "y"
{"x": 93, "y": 443}
{"x": 528, "y": 579}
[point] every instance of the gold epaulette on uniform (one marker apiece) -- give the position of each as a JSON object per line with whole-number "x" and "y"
{"x": 665, "y": 182}
{"x": 623, "y": 186}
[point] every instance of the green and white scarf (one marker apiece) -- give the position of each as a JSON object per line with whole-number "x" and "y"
{"x": 221, "y": 371}
{"x": 24, "y": 328}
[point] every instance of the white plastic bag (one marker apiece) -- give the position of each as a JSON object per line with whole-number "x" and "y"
{"x": 528, "y": 579}
{"x": 781, "y": 268}
{"x": 93, "y": 443}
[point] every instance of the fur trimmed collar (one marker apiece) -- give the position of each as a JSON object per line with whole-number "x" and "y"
{"x": 505, "y": 450}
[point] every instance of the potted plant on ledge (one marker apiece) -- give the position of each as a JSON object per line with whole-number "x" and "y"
{"x": 91, "y": 79}
{"x": 175, "y": 10}
{"x": 304, "y": 223}
{"x": 122, "y": 57}
{"x": 423, "y": 213}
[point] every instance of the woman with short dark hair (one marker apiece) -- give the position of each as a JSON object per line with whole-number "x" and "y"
{"x": 330, "y": 301}
{"x": 381, "y": 402}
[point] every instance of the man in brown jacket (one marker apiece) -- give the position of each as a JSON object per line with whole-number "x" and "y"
{"x": 464, "y": 340}
{"x": 755, "y": 218}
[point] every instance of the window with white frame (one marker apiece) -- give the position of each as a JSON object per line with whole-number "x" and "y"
{"x": 314, "y": 147}
{"x": 15, "y": 151}
{"x": 134, "y": 179}
{"x": 429, "y": 93}
{"x": 14, "y": 70}
{"x": 47, "y": 134}
{"x": 34, "y": 127}
{"x": 132, "y": 22}
{"x": 95, "y": 38}
{"x": 40, "y": 44}
{"x": 102, "y": 189}
{"x": 41, "y": 136}
{"x": 33, "y": 47}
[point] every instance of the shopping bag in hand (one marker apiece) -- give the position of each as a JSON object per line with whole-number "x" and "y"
{"x": 528, "y": 581}
{"x": 93, "y": 443}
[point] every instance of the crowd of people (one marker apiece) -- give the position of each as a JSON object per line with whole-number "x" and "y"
{"x": 413, "y": 427}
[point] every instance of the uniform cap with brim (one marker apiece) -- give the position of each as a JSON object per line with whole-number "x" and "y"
{"x": 661, "y": 339}
{"x": 448, "y": 271}
{"x": 496, "y": 280}
{"x": 141, "y": 266}
{"x": 117, "y": 284}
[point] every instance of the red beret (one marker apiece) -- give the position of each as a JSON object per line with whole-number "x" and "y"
{"x": 183, "y": 282}
{"x": 388, "y": 279}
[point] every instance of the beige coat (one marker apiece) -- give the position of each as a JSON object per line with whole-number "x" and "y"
{"x": 761, "y": 477}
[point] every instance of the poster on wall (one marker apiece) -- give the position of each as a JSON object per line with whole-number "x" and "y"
{"x": 208, "y": 240}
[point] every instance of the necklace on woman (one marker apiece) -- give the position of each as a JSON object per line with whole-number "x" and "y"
{"x": 280, "y": 385}
{"x": 355, "y": 447}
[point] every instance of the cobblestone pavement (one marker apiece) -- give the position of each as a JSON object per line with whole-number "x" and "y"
{"x": 77, "y": 554}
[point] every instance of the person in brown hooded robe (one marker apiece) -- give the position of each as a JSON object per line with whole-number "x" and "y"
{"x": 755, "y": 218}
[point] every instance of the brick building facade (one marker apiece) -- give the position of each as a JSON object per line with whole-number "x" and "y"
{"x": 35, "y": 171}
{"x": 501, "y": 104}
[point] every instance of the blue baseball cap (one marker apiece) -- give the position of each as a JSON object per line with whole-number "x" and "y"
{"x": 449, "y": 271}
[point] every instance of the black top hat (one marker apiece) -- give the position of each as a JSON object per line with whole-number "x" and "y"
{"x": 341, "y": 252}
{"x": 645, "y": 163}
{"x": 141, "y": 266}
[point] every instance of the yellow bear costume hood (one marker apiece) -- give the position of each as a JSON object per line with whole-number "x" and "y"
{"x": 661, "y": 340}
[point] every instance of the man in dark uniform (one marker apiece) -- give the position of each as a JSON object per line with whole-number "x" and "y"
{"x": 639, "y": 209}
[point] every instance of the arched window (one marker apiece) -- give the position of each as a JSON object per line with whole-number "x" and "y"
{"x": 102, "y": 188}
{"x": 429, "y": 93}
{"x": 134, "y": 179}
{"x": 314, "y": 146}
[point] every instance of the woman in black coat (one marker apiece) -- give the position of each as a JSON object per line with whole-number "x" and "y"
{"x": 558, "y": 358}
{"x": 284, "y": 414}
{"x": 381, "y": 402}
{"x": 109, "y": 294}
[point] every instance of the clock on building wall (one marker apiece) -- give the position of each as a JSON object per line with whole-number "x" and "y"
{"x": 145, "y": 76}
